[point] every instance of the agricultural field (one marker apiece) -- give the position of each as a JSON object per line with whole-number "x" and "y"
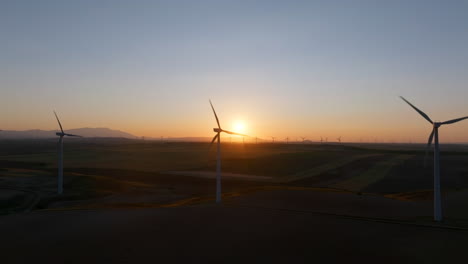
{"x": 117, "y": 173}
{"x": 137, "y": 201}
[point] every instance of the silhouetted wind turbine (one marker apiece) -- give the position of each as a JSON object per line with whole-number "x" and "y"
{"x": 435, "y": 135}
{"x": 273, "y": 139}
{"x": 60, "y": 158}
{"x": 287, "y": 139}
{"x": 217, "y": 137}
{"x": 339, "y": 139}
{"x": 321, "y": 140}
{"x": 303, "y": 140}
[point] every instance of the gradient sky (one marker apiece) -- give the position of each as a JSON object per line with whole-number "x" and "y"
{"x": 286, "y": 68}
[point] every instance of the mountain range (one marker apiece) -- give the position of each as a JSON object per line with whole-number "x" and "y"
{"x": 85, "y": 132}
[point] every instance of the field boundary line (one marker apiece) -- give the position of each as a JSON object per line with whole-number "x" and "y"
{"x": 375, "y": 173}
{"x": 354, "y": 217}
{"x": 324, "y": 168}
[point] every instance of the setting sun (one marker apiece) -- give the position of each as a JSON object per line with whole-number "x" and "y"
{"x": 239, "y": 127}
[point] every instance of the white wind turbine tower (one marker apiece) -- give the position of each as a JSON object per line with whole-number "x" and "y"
{"x": 217, "y": 137}
{"x": 435, "y": 135}
{"x": 60, "y": 156}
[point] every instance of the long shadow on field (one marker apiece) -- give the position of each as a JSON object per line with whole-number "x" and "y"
{"x": 411, "y": 175}
{"x": 341, "y": 173}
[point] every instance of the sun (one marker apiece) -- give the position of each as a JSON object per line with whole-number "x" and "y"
{"x": 239, "y": 127}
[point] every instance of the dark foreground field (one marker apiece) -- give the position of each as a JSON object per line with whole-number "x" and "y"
{"x": 127, "y": 201}
{"x": 226, "y": 234}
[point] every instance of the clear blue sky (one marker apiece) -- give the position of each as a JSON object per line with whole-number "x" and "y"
{"x": 284, "y": 68}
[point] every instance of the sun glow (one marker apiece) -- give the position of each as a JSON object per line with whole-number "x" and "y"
{"x": 239, "y": 127}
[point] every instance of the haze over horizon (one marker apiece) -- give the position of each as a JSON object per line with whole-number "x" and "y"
{"x": 301, "y": 69}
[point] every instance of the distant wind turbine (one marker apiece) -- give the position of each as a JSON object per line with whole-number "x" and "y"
{"x": 273, "y": 139}
{"x": 321, "y": 139}
{"x": 339, "y": 139}
{"x": 217, "y": 137}
{"x": 303, "y": 140}
{"x": 435, "y": 135}
{"x": 287, "y": 139}
{"x": 60, "y": 158}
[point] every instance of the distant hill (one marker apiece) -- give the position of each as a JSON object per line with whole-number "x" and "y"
{"x": 85, "y": 132}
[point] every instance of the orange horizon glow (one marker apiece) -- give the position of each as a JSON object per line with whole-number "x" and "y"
{"x": 404, "y": 125}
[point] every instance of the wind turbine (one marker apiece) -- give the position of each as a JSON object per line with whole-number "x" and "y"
{"x": 435, "y": 135}
{"x": 273, "y": 139}
{"x": 287, "y": 139}
{"x": 217, "y": 137}
{"x": 339, "y": 139}
{"x": 60, "y": 158}
{"x": 321, "y": 139}
{"x": 303, "y": 140}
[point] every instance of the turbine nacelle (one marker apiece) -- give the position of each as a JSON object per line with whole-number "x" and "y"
{"x": 217, "y": 130}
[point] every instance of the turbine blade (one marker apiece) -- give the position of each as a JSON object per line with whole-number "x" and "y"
{"x": 71, "y": 135}
{"x": 58, "y": 121}
{"x": 214, "y": 139}
{"x": 417, "y": 110}
{"x": 453, "y": 120}
{"x": 429, "y": 142}
{"x": 234, "y": 133}
{"x": 216, "y": 116}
